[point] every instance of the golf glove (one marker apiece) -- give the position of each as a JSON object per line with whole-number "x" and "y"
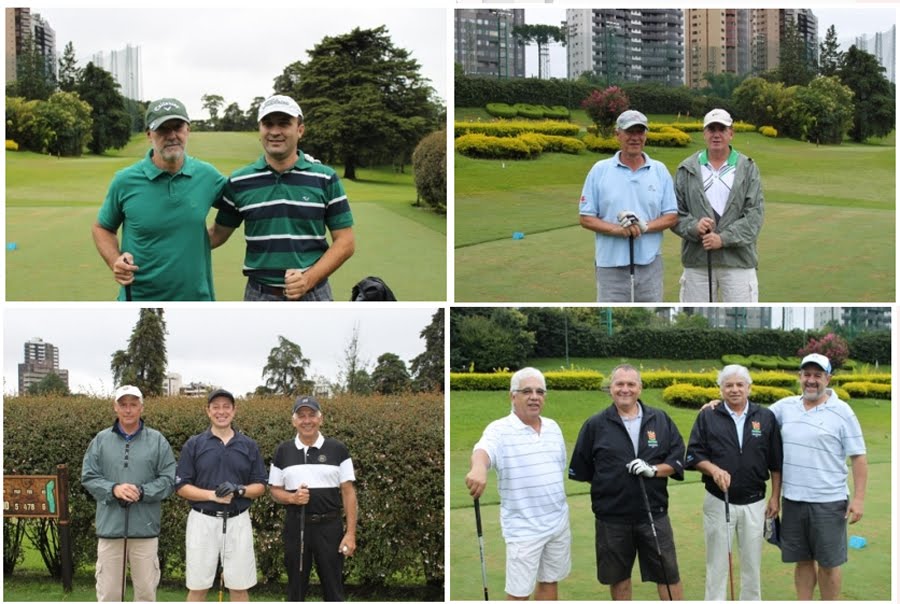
{"x": 639, "y": 467}
{"x": 628, "y": 218}
{"x": 225, "y": 489}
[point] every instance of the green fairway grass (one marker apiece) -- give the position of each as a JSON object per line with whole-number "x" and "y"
{"x": 866, "y": 575}
{"x": 52, "y": 203}
{"x": 817, "y": 198}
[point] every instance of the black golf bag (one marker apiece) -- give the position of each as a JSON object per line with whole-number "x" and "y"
{"x": 372, "y": 289}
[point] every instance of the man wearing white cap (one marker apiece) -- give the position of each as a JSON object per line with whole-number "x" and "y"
{"x": 161, "y": 204}
{"x": 819, "y": 432}
{"x": 287, "y": 204}
{"x": 129, "y": 469}
{"x": 720, "y": 214}
{"x": 628, "y": 201}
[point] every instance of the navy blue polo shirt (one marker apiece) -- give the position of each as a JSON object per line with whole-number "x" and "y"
{"x": 206, "y": 462}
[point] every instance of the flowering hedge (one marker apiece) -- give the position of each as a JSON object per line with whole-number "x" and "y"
{"x": 515, "y": 128}
{"x": 397, "y": 446}
{"x": 831, "y": 345}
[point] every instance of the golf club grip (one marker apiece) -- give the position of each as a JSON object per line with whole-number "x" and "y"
{"x": 478, "y": 518}
{"x": 727, "y": 509}
{"x": 631, "y": 254}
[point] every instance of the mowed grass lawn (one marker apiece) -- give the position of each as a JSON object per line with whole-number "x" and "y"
{"x": 52, "y": 203}
{"x": 866, "y": 575}
{"x": 818, "y": 200}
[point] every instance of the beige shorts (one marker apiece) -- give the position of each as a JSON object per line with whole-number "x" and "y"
{"x": 203, "y": 545}
{"x": 546, "y": 560}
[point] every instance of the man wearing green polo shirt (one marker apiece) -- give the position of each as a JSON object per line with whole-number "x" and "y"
{"x": 161, "y": 203}
{"x": 288, "y": 204}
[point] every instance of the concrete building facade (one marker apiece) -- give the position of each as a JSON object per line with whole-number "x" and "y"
{"x": 484, "y": 45}
{"x": 41, "y": 359}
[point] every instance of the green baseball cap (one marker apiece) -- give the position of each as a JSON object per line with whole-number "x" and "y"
{"x": 163, "y": 110}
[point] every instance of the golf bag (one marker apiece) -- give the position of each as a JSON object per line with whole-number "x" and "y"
{"x": 372, "y": 289}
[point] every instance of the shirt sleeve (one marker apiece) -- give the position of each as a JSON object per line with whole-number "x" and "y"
{"x": 668, "y": 205}
{"x": 675, "y": 458}
{"x": 491, "y": 444}
{"x": 581, "y": 468}
{"x": 258, "y": 467}
{"x": 228, "y": 215}
{"x": 589, "y": 205}
{"x": 852, "y": 436}
{"x": 697, "y": 449}
{"x": 111, "y": 215}
{"x": 276, "y": 472}
{"x": 184, "y": 473}
{"x": 337, "y": 209}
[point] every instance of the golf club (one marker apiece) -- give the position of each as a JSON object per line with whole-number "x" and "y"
{"x": 127, "y": 288}
{"x": 302, "y": 536}
{"x": 125, "y": 549}
{"x": 728, "y": 529}
{"x": 655, "y": 537}
{"x": 631, "y": 262}
{"x": 709, "y": 273}
{"x": 481, "y": 546}
{"x": 222, "y": 557}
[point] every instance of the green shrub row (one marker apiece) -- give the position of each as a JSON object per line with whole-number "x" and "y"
{"x": 598, "y": 144}
{"x": 397, "y": 446}
{"x": 515, "y": 128}
{"x": 872, "y": 378}
{"x": 694, "y": 397}
{"x": 668, "y": 137}
{"x": 762, "y": 361}
{"x": 553, "y": 144}
{"x": 556, "y": 380}
{"x": 768, "y": 131}
{"x": 868, "y": 390}
{"x": 501, "y": 110}
{"x": 482, "y": 146}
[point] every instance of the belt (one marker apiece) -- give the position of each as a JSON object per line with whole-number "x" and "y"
{"x": 220, "y": 513}
{"x": 266, "y": 289}
{"x": 318, "y": 518}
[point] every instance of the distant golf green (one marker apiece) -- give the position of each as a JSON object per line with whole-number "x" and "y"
{"x": 830, "y": 221}
{"x": 864, "y": 576}
{"x": 51, "y": 204}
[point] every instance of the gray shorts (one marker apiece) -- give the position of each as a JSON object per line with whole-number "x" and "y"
{"x": 814, "y": 531}
{"x": 614, "y": 284}
{"x": 254, "y": 293}
{"x": 618, "y": 544}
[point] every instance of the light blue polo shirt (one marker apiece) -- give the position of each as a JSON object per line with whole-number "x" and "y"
{"x": 816, "y": 446}
{"x": 611, "y": 187}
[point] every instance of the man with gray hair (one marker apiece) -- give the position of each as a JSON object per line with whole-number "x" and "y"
{"x": 736, "y": 446}
{"x": 628, "y": 201}
{"x": 528, "y": 453}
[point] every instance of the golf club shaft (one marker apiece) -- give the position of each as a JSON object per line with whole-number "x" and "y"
{"x": 631, "y": 262}
{"x": 709, "y": 273}
{"x": 125, "y": 551}
{"x": 481, "y": 547}
{"x": 302, "y": 535}
{"x": 728, "y": 529}
{"x": 127, "y": 288}
{"x": 222, "y": 557}
{"x": 655, "y": 536}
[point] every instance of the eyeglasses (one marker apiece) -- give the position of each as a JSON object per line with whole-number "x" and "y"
{"x": 530, "y": 391}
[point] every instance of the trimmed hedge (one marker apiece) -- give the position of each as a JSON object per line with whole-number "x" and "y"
{"x": 397, "y": 445}
{"x": 694, "y": 397}
{"x": 493, "y": 147}
{"x": 598, "y": 144}
{"x": 668, "y": 137}
{"x": 556, "y": 380}
{"x": 868, "y": 390}
{"x": 871, "y": 378}
{"x": 768, "y": 131}
{"x": 528, "y": 111}
{"x": 501, "y": 110}
{"x": 761, "y": 361}
{"x": 12, "y": 145}
{"x": 551, "y": 144}
{"x": 515, "y": 128}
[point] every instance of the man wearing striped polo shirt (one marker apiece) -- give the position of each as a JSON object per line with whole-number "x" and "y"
{"x": 313, "y": 476}
{"x": 529, "y": 455}
{"x": 819, "y": 432}
{"x": 288, "y": 203}
{"x": 720, "y": 215}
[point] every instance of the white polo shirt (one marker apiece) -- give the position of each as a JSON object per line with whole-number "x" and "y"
{"x": 531, "y": 469}
{"x": 717, "y": 184}
{"x": 816, "y": 446}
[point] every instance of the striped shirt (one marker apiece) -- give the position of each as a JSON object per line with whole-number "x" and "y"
{"x": 322, "y": 467}
{"x": 717, "y": 184}
{"x": 286, "y": 215}
{"x": 817, "y": 443}
{"x": 530, "y": 468}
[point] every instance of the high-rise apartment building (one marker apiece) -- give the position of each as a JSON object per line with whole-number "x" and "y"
{"x": 125, "y": 67}
{"x": 41, "y": 359}
{"x": 626, "y": 45}
{"x": 855, "y": 318}
{"x": 716, "y": 41}
{"x": 22, "y": 25}
{"x": 884, "y": 46}
{"x": 484, "y": 44}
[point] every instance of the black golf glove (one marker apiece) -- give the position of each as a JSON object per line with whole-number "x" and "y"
{"x": 225, "y": 489}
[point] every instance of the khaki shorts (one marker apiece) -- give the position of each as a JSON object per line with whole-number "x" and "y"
{"x": 203, "y": 541}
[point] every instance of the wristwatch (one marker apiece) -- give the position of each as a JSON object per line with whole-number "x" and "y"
{"x": 241, "y": 490}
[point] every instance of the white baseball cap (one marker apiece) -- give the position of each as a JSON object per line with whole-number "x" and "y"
{"x": 631, "y": 118}
{"x": 126, "y": 390}
{"x": 281, "y": 104}
{"x": 717, "y": 116}
{"x": 817, "y": 359}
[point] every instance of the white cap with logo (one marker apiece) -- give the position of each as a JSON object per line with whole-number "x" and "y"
{"x": 281, "y": 104}
{"x": 718, "y": 116}
{"x": 631, "y": 118}
{"x": 817, "y": 359}
{"x": 129, "y": 390}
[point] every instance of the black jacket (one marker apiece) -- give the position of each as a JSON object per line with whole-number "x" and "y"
{"x": 714, "y": 438}
{"x": 604, "y": 448}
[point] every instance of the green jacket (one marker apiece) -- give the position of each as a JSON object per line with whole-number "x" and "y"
{"x": 739, "y": 226}
{"x": 151, "y": 466}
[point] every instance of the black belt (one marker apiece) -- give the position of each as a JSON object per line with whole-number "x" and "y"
{"x": 266, "y": 289}
{"x": 220, "y": 513}
{"x": 318, "y": 518}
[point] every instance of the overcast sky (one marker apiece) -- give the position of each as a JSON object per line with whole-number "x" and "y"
{"x": 226, "y": 347}
{"x": 848, "y": 24}
{"x": 238, "y": 52}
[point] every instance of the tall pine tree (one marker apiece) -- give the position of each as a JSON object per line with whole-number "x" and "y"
{"x": 830, "y": 55}
{"x": 143, "y": 364}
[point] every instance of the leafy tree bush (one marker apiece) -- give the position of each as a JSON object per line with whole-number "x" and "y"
{"x": 831, "y": 345}
{"x": 489, "y": 338}
{"x": 872, "y": 347}
{"x": 874, "y": 108}
{"x": 429, "y": 162}
{"x": 604, "y": 106}
{"x": 397, "y": 445}
{"x": 822, "y": 112}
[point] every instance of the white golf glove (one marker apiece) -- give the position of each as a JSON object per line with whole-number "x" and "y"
{"x": 639, "y": 467}
{"x": 628, "y": 218}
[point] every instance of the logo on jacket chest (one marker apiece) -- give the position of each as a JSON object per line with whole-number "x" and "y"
{"x": 755, "y": 429}
{"x": 651, "y": 439}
